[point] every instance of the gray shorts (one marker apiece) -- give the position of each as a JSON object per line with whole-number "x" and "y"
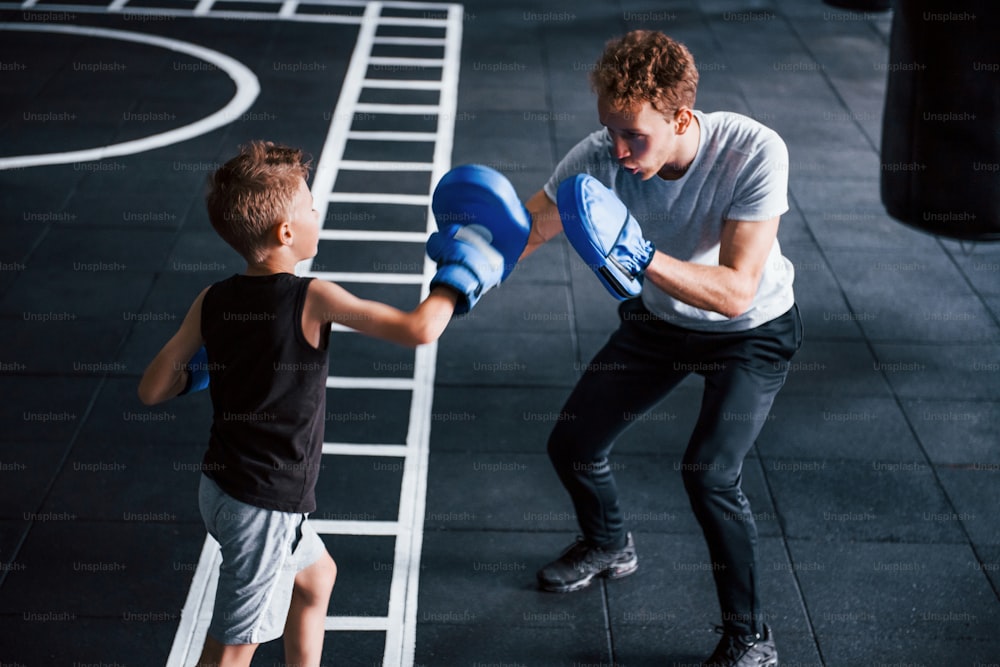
{"x": 262, "y": 550}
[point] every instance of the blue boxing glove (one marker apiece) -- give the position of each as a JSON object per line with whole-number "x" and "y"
{"x": 604, "y": 234}
{"x": 466, "y": 261}
{"x": 197, "y": 370}
{"x": 475, "y": 194}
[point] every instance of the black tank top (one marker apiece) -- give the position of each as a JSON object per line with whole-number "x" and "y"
{"x": 268, "y": 387}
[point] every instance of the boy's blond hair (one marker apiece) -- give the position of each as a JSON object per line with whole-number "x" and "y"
{"x": 646, "y": 66}
{"x": 253, "y": 192}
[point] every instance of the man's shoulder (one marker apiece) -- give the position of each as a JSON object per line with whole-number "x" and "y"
{"x": 733, "y": 126}
{"x": 734, "y": 132}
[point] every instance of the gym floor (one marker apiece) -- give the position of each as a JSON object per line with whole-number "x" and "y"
{"x": 874, "y": 482}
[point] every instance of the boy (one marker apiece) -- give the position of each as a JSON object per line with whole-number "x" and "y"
{"x": 266, "y": 333}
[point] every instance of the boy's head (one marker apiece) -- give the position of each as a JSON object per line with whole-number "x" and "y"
{"x": 253, "y": 192}
{"x": 646, "y": 66}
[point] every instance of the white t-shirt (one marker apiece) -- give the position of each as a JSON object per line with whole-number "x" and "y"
{"x": 739, "y": 173}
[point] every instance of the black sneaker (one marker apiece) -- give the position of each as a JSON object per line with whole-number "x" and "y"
{"x": 581, "y": 562}
{"x": 744, "y": 651}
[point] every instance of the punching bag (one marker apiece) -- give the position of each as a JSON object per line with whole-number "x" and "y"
{"x": 940, "y": 162}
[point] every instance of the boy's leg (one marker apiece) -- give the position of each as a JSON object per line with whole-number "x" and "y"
{"x": 216, "y": 654}
{"x": 305, "y": 627}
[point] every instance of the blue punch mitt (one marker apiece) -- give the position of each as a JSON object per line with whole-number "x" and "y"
{"x": 604, "y": 234}
{"x": 466, "y": 261}
{"x": 474, "y": 194}
{"x": 197, "y": 370}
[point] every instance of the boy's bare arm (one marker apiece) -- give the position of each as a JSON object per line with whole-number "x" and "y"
{"x": 166, "y": 376}
{"x": 328, "y": 302}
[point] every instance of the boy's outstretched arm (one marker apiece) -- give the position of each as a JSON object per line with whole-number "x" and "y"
{"x": 166, "y": 376}
{"x": 328, "y": 302}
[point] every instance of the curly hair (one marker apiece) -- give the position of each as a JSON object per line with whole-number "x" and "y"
{"x": 252, "y": 192}
{"x": 646, "y": 66}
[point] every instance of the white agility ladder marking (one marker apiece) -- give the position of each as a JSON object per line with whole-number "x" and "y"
{"x": 399, "y": 624}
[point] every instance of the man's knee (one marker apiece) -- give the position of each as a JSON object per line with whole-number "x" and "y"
{"x": 560, "y": 446}
{"x": 706, "y": 477}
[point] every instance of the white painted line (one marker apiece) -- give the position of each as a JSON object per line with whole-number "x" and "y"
{"x": 407, "y": 62}
{"x": 208, "y": 8}
{"x": 370, "y": 278}
{"x": 400, "y": 4}
{"x": 412, "y": 22}
{"x": 191, "y": 631}
{"x": 403, "y": 84}
{"x": 343, "y": 116}
{"x": 331, "y": 527}
{"x": 363, "y": 235}
{"x": 421, "y": 406}
{"x": 352, "y": 449}
{"x": 385, "y": 384}
{"x": 334, "y": 3}
{"x": 393, "y": 136}
{"x": 411, "y": 41}
{"x": 436, "y": 6}
{"x": 288, "y": 8}
{"x": 356, "y": 623}
{"x": 247, "y": 89}
{"x": 400, "y": 109}
{"x": 376, "y": 165}
{"x": 343, "y": 19}
{"x": 378, "y": 198}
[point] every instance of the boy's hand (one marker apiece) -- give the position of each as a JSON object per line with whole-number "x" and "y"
{"x": 197, "y": 372}
{"x": 170, "y": 371}
{"x": 477, "y": 195}
{"x": 466, "y": 262}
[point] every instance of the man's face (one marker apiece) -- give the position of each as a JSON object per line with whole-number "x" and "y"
{"x": 643, "y": 140}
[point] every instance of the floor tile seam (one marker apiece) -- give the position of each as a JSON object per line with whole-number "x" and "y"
{"x": 824, "y": 72}
{"x": 540, "y": 453}
{"x": 794, "y": 200}
{"x": 932, "y": 344}
{"x": 446, "y": 384}
{"x": 872, "y": 348}
{"x": 836, "y": 460}
{"x": 970, "y": 285}
{"x": 925, "y": 461}
{"x": 524, "y": 625}
{"x": 565, "y": 259}
{"x": 82, "y": 375}
{"x": 783, "y": 536}
{"x": 824, "y": 540}
{"x": 923, "y": 252}
{"x": 43, "y": 498}
{"x": 749, "y": 97}
{"x": 499, "y": 530}
{"x": 945, "y": 342}
{"x": 79, "y": 519}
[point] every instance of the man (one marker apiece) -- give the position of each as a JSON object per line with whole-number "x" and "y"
{"x": 706, "y": 191}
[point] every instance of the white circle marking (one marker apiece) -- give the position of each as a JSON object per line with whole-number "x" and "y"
{"x": 247, "y": 90}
